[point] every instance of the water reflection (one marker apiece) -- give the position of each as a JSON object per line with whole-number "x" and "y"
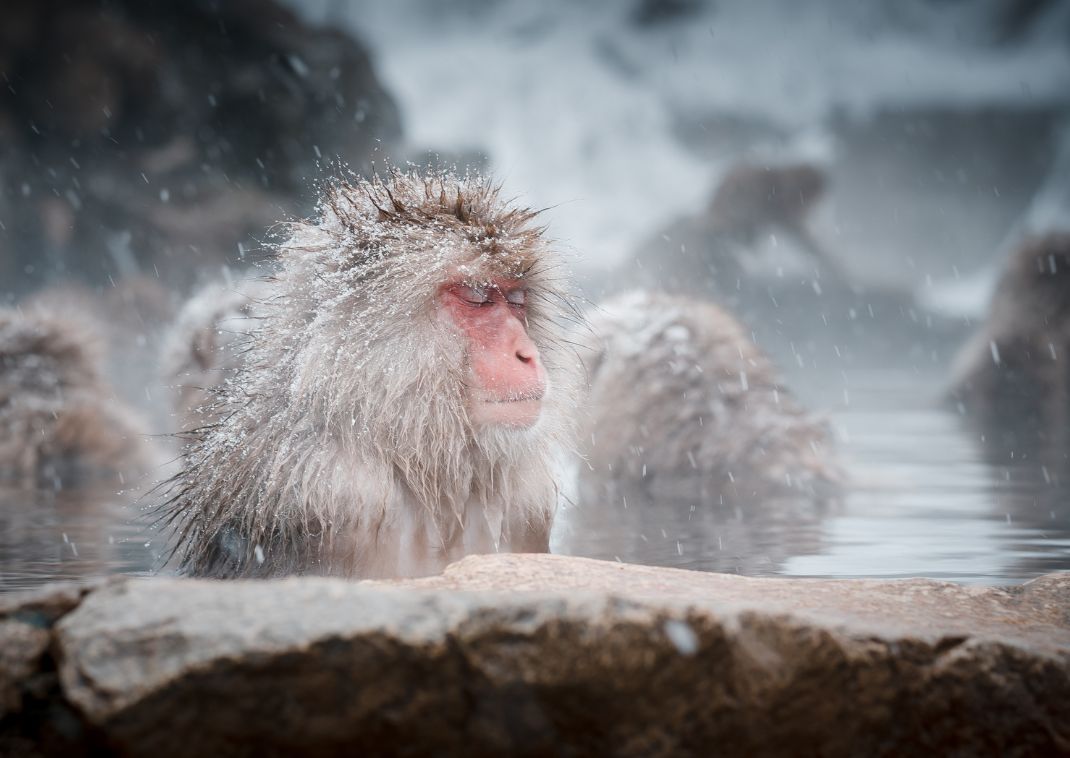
{"x": 1033, "y": 494}
{"x": 50, "y": 535}
{"x": 925, "y": 499}
{"x": 704, "y": 534}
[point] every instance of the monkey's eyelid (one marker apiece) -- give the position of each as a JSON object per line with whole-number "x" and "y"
{"x": 516, "y": 297}
{"x": 473, "y": 293}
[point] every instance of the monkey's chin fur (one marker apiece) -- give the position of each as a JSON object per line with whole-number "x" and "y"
{"x": 521, "y": 414}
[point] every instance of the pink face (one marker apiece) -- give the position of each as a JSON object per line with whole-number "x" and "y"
{"x": 506, "y": 377}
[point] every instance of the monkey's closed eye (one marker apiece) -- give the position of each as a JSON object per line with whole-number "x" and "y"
{"x": 516, "y": 297}
{"x": 473, "y": 295}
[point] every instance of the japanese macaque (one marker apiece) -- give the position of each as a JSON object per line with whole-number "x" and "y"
{"x": 403, "y": 399}
{"x": 684, "y": 405}
{"x": 130, "y": 318}
{"x": 753, "y": 199}
{"x": 700, "y": 254}
{"x": 1013, "y": 377}
{"x": 205, "y": 345}
{"x": 60, "y": 423}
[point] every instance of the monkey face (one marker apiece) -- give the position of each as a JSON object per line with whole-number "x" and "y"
{"x": 506, "y": 377}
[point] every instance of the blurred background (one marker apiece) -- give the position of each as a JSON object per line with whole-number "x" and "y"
{"x": 149, "y": 147}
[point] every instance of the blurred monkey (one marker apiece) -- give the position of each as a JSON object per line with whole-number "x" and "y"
{"x": 1013, "y": 377}
{"x": 60, "y": 423}
{"x": 683, "y": 404}
{"x": 701, "y": 254}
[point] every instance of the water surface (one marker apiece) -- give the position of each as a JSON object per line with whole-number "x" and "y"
{"x": 47, "y": 536}
{"x": 925, "y": 498}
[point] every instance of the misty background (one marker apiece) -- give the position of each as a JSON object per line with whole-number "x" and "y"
{"x": 147, "y": 148}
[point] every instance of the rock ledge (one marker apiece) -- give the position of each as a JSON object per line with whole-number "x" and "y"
{"x": 532, "y": 655}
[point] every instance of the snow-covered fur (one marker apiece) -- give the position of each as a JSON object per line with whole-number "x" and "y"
{"x": 683, "y": 404}
{"x": 60, "y": 423}
{"x": 343, "y": 444}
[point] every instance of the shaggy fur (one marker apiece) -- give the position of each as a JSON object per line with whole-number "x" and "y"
{"x": 204, "y": 346}
{"x": 684, "y": 404}
{"x": 60, "y": 424}
{"x": 1013, "y": 376}
{"x": 344, "y": 445}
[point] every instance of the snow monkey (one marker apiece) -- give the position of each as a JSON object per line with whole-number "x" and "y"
{"x": 1013, "y": 378}
{"x": 205, "y": 344}
{"x": 701, "y": 254}
{"x": 683, "y": 404}
{"x": 60, "y": 423}
{"x": 750, "y": 199}
{"x": 403, "y": 398}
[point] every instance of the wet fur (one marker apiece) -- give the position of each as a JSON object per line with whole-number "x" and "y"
{"x": 60, "y": 423}
{"x": 684, "y": 404}
{"x": 343, "y": 445}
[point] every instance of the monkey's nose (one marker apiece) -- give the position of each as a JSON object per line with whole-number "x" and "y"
{"x": 523, "y": 347}
{"x": 525, "y": 350}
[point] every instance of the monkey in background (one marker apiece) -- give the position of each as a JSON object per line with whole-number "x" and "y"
{"x": 751, "y": 200}
{"x": 684, "y": 405}
{"x": 404, "y": 397}
{"x": 60, "y": 423}
{"x": 700, "y": 255}
{"x": 203, "y": 347}
{"x": 1012, "y": 379}
{"x": 129, "y": 319}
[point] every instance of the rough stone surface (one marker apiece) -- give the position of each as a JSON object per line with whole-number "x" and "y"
{"x": 1033, "y": 614}
{"x": 26, "y": 621}
{"x": 35, "y": 718}
{"x": 550, "y": 655}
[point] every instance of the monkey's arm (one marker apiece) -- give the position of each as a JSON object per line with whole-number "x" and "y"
{"x": 805, "y": 239}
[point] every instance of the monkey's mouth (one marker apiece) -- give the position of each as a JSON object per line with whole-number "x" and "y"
{"x": 517, "y": 409}
{"x": 515, "y": 397}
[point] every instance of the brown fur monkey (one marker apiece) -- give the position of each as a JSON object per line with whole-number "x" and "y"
{"x": 60, "y": 424}
{"x": 404, "y": 396}
{"x": 683, "y": 404}
{"x": 1013, "y": 378}
{"x": 752, "y": 199}
{"x": 701, "y": 254}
